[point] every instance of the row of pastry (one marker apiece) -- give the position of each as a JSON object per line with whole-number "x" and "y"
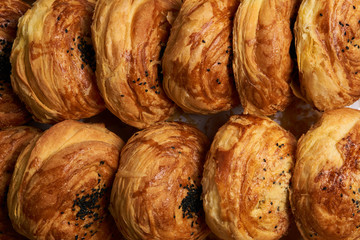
{"x": 77, "y": 180}
{"x": 143, "y": 58}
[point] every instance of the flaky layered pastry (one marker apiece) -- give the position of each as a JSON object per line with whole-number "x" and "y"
{"x": 61, "y": 184}
{"x": 197, "y": 60}
{"x": 325, "y": 192}
{"x": 12, "y": 112}
{"x": 129, "y": 38}
{"x": 12, "y": 142}
{"x": 156, "y": 192}
{"x": 327, "y": 47}
{"x": 53, "y": 61}
{"x": 262, "y": 62}
{"x": 246, "y": 179}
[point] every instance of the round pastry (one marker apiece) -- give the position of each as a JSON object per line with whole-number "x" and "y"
{"x": 156, "y": 192}
{"x": 12, "y": 112}
{"x": 197, "y": 60}
{"x": 53, "y": 62}
{"x": 129, "y": 37}
{"x": 325, "y": 192}
{"x": 61, "y": 184}
{"x": 327, "y": 46}
{"x": 246, "y": 179}
{"x": 12, "y": 142}
{"x": 262, "y": 62}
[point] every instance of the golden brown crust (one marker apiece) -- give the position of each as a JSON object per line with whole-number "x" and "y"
{"x": 327, "y": 47}
{"x": 325, "y": 193}
{"x": 262, "y": 62}
{"x": 12, "y": 142}
{"x": 156, "y": 192}
{"x": 246, "y": 179}
{"x": 61, "y": 184}
{"x": 12, "y": 112}
{"x": 129, "y": 37}
{"x": 197, "y": 60}
{"x": 53, "y": 61}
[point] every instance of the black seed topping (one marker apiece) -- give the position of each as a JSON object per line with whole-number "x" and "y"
{"x": 191, "y": 205}
{"x": 87, "y": 53}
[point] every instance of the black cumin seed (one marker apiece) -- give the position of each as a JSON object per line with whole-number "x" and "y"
{"x": 191, "y": 205}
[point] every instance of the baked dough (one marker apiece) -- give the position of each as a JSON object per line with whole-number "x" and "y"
{"x": 61, "y": 184}
{"x": 246, "y": 179}
{"x": 262, "y": 63}
{"x": 12, "y": 142}
{"x": 327, "y": 47}
{"x": 197, "y": 67}
{"x": 12, "y": 112}
{"x": 53, "y": 61}
{"x": 129, "y": 37}
{"x": 326, "y": 183}
{"x": 156, "y": 192}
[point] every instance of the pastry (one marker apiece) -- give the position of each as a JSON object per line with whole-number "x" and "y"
{"x": 129, "y": 37}
{"x": 325, "y": 192}
{"x": 197, "y": 60}
{"x": 156, "y": 192}
{"x": 53, "y": 61}
{"x": 12, "y": 112}
{"x": 61, "y": 184}
{"x": 246, "y": 179}
{"x": 12, "y": 142}
{"x": 262, "y": 63}
{"x": 327, "y": 47}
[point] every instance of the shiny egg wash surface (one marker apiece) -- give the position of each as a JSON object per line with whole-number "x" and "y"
{"x": 325, "y": 197}
{"x": 157, "y": 189}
